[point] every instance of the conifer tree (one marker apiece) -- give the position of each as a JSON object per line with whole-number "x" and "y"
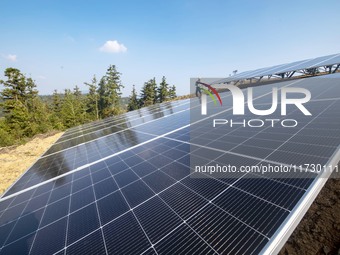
{"x": 17, "y": 97}
{"x": 56, "y": 107}
{"x": 56, "y": 102}
{"x": 110, "y": 92}
{"x": 133, "y": 101}
{"x": 73, "y": 110}
{"x": 148, "y": 94}
{"x": 92, "y": 99}
{"x": 163, "y": 91}
{"x": 172, "y": 92}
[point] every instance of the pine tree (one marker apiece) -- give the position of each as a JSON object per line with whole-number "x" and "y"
{"x": 92, "y": 99}
{"x": 15, "y": 89}
{"x": 40, "y": 119}
{"x": 31, "y": 94}
{"x": 163, "y": 91}
{"x": 73, "y": 110}
{"x": 76, "y": 91}
{"x": 154, "y": 88}
{"x": 80, "y": 105}
{"x": 133, "y": 101}
{"x": 102, "y": 102}
{"x": 110, "y": 92}
{"x": 148, "y": 94}
{"x": 17, "y": 97}
{"x": 56, "y": 102}
{"x": 56, "y": 107}
{"x": 172, "y": 92}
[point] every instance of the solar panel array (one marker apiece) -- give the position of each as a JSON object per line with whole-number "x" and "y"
{"x": 124, "y": 185}
{"x": 285, "y": 68}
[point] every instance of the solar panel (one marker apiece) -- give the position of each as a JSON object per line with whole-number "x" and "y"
{"x": 132, "y": 191}
{"x": 323, "y": 61}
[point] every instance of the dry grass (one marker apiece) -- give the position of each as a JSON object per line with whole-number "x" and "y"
{"x": 15, "y": 160}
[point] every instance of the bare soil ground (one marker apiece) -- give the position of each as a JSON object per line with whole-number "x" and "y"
{"x": 319, "y": 231}
{"x": 15, "y": 160}
{"x": 317, "y": 234}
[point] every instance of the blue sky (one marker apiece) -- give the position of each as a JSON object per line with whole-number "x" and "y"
{"x": 61, "y": 43}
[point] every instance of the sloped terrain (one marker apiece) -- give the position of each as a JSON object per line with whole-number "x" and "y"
{"x": 16, "y": 160}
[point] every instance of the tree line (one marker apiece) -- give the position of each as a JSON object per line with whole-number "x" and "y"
{"x": 27, "y": 114}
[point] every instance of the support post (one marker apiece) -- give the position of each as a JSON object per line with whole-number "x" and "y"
{"x": 291, "y": 74}
{"x": 336, "y": 68}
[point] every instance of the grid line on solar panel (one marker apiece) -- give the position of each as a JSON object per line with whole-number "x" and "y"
{"x": 74, "y": 142}
{"x": 138, "y": 112}
{"x": 37, "y": 180}
{"x": 242, "y": 155}
{"x": 294, "y": 66}
{"x": 303, "y": 182}
{"x": 275, "y": 196}
{"x": 288, "y": 137}
{"x": 187, "y": 101}
{"x": 35, "y": 227}
{"x": 183, "y": 240}
{"x": 108, "y": 125}
{"x": 227, "y": 95}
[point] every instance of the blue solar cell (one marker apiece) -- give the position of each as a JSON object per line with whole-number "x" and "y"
{"x": 122, "y": 233}
{"x": 276, "y": 192}
{"x": 82, "y": 198}
{"x": 25, "y": 226}
{"x": 156, "y": 218}
{"x": 183, "y": 241}
{"x": 91, "y": 244}
{"x": 47, "y": 243}
{"x": 82, "y": 223}
{"x": 147, "y": 200}
{"x": 105, "y": 187}
{"x": 112, "y": 206}
{"x": 125, "y": 177}
{"x": 56, "y": 211}
{"x": 225, "y": 234}
{"x": 137, "y": 193}
{"x": 261, "y": 215}
{"x": 183, "y": 201}
{"x": 176, "y": 170}
{"x": 158, "y": 181}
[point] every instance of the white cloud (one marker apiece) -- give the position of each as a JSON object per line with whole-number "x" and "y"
{"x": 113, "y": 47}
{"x": 11, "y": 57}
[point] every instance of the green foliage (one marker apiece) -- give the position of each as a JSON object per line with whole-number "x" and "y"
{"x": 92, "y": 100}
{"x": 55, "y": 118}
{"x": 163, "y": 91}
{"x": 26, "y": 114}
{"x": 133, "y": 101}
{"x": 15, "y": 89}
{"x": 172, "y": 92}
{"x": 56, "y": 102}
{"x": 6, "y": 137}
{"x": 149, "y": 93}
{"x": 39, "y": 117}
{"x": 73, "y": 109}
{"x": 18, "y": 102}
{"x": 110, "y": 93}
